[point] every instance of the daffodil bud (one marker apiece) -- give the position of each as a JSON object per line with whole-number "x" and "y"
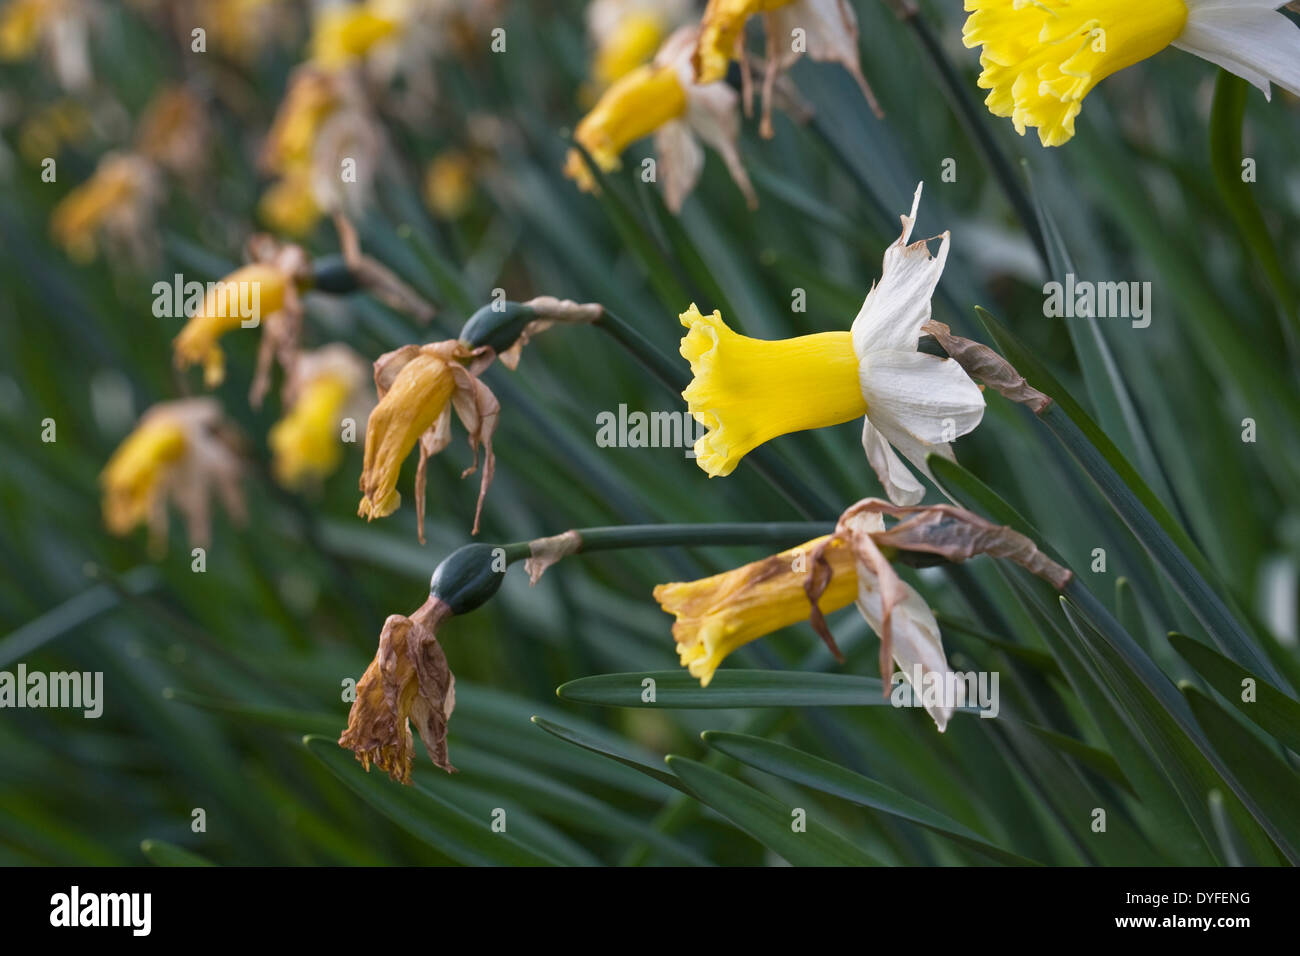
{"x": 468, "y": 577}
{"x": 497, "y": 327}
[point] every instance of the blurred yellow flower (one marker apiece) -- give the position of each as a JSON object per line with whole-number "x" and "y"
{"x": 1041, "y": 59}
{"x": 323, "y": 390}
{"x": 449, "y": 184}
{"x": 721, "y": 33}
{"x": 344, "y": 33}
{"x": 661, "y": 98}
{"x": 116, "y": 200}
{"x": 244, "y": 298}
{"x": 180, "y": 450}
{"x": 289, "y": 206}
{"x": 21, "y": 25}
{"x": 748, "y": 391}
{"x": 311, "y": 98}
{"x": 716, "y": 615}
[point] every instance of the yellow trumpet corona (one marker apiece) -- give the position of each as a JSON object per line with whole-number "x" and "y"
{"x": 306, "y": 441}
{"x": 723, "y": 23}
{"x": 716, "y": 615}
{"x": 224, "y": 308}
{"x": 132, "y": 479}
{"x": 747, "y": 391}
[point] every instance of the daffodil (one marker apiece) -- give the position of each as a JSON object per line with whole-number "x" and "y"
{"x": 662, "y": 98}
{"x": 1041, "y": 58}
{"x": 418, "y": 386}
{"x": 449, "y": 184}
{"x": 325, "y": 389}
{"x": 344, "y": 33}
{"x": 114, "y": 206}
{"x": 408, "y": 682}
{"x": 746, "y": 391}
{"x": 626, "y": 34}
{"x": 827, "y": 30}
{"x": 62, "y": 27}
{"x": 289, "y": 207}
{"x": 179, "y": 450}
{"x": 718, "y": 614}
{"x": 261, "y": 295}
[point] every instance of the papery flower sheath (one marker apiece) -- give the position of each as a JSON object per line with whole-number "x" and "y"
{"x": 180, "y": 450}
{"x": 662, "y": 98}
{"x": 746, "y": 391}
{"x": 418, "y": 387}
{"x": 827, "y": 30}
{"x": 408, "y": 682}
{"x": 1040, "y": 59}
{"x": 718, "y": 614}
{"x": 325, "y": 387}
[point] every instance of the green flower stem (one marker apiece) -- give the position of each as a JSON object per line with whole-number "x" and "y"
{"x": 616, "y": 538}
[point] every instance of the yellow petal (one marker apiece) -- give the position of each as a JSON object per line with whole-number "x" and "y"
{"x": 719, "y": 614}
{"x": 289, "y": 207}
{"x": 256, "y": 290}
{"x": 306, "y": 442}
{"x": 419, "y": 395}
{"x": 747, "y": 391}
{"x": 133, "y": 477}
{"x": 1041, "y": 59}
{"x": 723, "y": 24}
{"x": 632, "y": 43}
{"x": 346, "y": 33}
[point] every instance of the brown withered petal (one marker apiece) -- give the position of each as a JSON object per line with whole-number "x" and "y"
{"x": 987, "y": 366}
{"x": 550, "y": 311}
{"x": 408, "y": 682}
{"x": 545, "y": 552}
{"x": 378, "y": 279}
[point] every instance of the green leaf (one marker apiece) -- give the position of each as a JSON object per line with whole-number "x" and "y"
{"x": 1273, "y": 711}
{"x": 804, "y": 768}
{"x": 728, "y": 689}
{"x": 766, "y": 819}
{"x": 595, "y": 745}
{"x": 161, "y": 853}
{"x": 424, "y": 815}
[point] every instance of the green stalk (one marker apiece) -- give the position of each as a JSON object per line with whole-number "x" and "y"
{"x": 777, "y": 534}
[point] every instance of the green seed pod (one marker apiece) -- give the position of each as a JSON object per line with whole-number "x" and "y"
{"x": 499, "y": 327}
{"x": 331, "y": 274}
{"x": 468, "y": 577}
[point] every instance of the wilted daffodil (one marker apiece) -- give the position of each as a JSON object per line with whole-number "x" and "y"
{"x": 261, "y": 295}
{"x": 1041, "y": 59}
{"x": 662, "y": 98}
{"x": 408, "y": 681}
{"x": 716, "y": 615}
{"x": 626, "y": 34}
{"x": 113, "y": 208}
{"x": 827, "y": 30}
{"x": 747, "y": 391}
{"x": 180, "y": 450}
{"x": 325, "y": 390}
{"x": 418, "y": 386}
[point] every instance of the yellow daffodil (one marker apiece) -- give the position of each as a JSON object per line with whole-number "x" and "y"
{"x": 21, "y": 23}
{"x": 311, "y": 98}
{"x": 246, "y": 298}
{"x": 828, "y": 30}
{"x": 1041, "y": 59}
{"x": 116, "y": 202}
{"x": 716, "y": 615}
{"x": 60, "y": 27}
{"x": 344, "y": 33}
{"x": 289, "y": 207}
{"x": 661, "y": 98}
{"x": 626, "y": 34}
{"x": 324, "y": 390}
{"x": 408, "y": 681}
{"x": 418, "y": 386}
{"x": 179, "y": 450}
{"x": 746, "y": 391}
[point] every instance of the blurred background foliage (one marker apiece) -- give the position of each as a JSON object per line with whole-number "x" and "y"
{"x": 213, "y": 679}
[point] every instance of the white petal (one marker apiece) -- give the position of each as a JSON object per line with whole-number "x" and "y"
{"x": 896, "y": 307}
{"x": 713, "y": 112}
{"x": 928, "y": 398}
{"x": 901, "y": 486}
{"x": 915, "y": 635}
{"x": 1248, "y": 38}
{"x": 681, "y": 159}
